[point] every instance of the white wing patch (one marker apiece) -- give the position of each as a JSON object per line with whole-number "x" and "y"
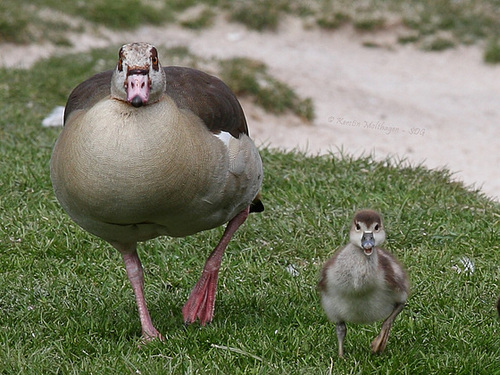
{"x": 224, "y": 137}
{"x": 237, "y": 151}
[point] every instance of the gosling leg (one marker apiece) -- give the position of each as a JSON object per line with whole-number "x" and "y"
{"x": 380, "y": 342}
{"x": 341, "y": 331}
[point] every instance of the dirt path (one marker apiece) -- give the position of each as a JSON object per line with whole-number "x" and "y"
{"x": 439, "y": 108}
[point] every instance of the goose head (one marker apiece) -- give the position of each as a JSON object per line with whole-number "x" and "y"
{"x": 367, "y": 231}
{"x": 138, "y": 78}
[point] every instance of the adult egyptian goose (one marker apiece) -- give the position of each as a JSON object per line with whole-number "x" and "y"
{"x": 148, "y": 151}
{"x": 363, "y": 283}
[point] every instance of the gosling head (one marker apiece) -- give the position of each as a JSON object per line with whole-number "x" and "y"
{"x": 367, "y": 231}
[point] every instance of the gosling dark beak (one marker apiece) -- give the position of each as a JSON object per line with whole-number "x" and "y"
{"x": 367, "y": 242}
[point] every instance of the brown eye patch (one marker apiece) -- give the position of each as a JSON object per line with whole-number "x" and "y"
{"x": 120, "y": 60}
{"x": 154, "y": 58}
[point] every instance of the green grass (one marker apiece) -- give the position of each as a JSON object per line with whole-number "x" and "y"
{"x": 113, "y": 14}
{"x": 260, "y": 14}
{"x": 249, "y": 77}
{"x": 66, "y": 306}
{"x": 369, "y": 23}
{"x": 332, "y": 20}
{"x": 437, "y": 43}
{"x": 204, "y": 19}
{"x": 492, "y": 52}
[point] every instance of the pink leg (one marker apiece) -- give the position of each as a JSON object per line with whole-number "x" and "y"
{"x": 136, "y": 278}
{"x": 201, "y": 302}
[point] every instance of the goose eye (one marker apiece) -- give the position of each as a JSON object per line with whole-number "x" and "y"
{"x": 154, "y": 59}
{"x": 120, "y": 60}
{"x": 358, "y": 227}
{"x": 377, "y": 227}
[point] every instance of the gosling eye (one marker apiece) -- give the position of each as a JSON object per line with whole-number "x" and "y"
{"x": 377, "y": 227}
{"x": 358, "y": 227}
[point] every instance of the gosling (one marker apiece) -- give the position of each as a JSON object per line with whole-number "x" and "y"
{"x": 363, "y": 283}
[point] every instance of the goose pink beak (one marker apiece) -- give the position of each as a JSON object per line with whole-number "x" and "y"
{"x": 137, "y": 89}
